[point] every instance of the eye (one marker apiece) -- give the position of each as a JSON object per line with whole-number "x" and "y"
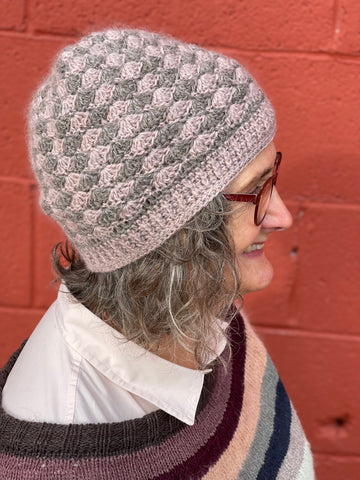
{"x": 259, "y": 186}
{"x": 256, "y": 190}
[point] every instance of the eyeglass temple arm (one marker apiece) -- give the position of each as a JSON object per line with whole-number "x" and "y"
{"x": 241, "y": 197}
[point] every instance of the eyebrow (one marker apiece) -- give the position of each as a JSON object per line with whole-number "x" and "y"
{"x": 258, "y": 178}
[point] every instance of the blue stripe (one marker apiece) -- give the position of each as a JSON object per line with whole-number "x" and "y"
{"x": 280, "y": 439}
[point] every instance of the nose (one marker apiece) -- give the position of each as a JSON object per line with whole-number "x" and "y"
{"x": 278, "y": 216}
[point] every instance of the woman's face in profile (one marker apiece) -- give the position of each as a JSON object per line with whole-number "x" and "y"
{"x": 254, "y": 269}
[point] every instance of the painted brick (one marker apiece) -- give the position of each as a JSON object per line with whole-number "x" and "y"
{"x": 15, "y": 327}
{"x": 317, "y": 103}
{"x": 79, "y": 17}
{"x": 12, "y": 14}
{"x": 15, "y": 238}
{"x": 314, "y": 287}
{"x": 46, "y": 235}
{"x": 314, "y": 294}
{"x": 327, "y": 295}
{"x": 322, "y": 376}
{"x": 24, "y": 62}
{"x": 275, "y": 25}
{"x": 336, "y": 468}
{"x": 348, "y": 27}
{"x": 256, "y": 24}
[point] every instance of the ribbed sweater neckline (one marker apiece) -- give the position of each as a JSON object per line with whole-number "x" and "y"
{"x": 107, "y": 439}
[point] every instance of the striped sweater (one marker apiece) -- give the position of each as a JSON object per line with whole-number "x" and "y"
{"x": 245, "y": 428}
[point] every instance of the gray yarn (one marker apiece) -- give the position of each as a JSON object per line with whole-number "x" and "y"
{"x": 132, "y": 133}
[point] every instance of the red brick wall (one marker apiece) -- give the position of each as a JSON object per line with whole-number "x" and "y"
{"x": 306, "y": 55}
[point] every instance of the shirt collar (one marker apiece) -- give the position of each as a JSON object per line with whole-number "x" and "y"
{"x": 127, "y": 364}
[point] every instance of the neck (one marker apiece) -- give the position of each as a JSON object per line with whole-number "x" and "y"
{"x": 174, "y": 352}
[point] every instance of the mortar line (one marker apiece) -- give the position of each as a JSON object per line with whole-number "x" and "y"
{"x": 294, "y": 283}
{"x": 32, "y": 244}
{"x": 18, "y": 180}
{"x": 233, "y": 50}
{"x": 343, "y": 455}
{"x": 336, "y": 24}
{"x": 23, "y": 310}
{"x": 25, "y": 19}
{"x": 331, "y": 205}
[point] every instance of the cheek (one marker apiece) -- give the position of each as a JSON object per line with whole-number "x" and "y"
{"x": 243, "y": 234}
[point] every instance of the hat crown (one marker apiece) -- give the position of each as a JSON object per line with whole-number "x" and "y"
{"x": 130, "y": 137}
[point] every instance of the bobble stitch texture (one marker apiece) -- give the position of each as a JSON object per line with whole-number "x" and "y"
{"x": 133, "y": 132}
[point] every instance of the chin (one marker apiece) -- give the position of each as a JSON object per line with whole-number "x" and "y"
{"x": 255, "y": 281}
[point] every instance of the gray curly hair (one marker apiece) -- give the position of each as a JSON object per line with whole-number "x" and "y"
{"x": 176, "y": 292}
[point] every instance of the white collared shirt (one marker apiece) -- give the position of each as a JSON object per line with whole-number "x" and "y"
{"x": 77, "y": 369}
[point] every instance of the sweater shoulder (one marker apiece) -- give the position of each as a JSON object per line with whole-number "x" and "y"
{"x": 245, "y": 425}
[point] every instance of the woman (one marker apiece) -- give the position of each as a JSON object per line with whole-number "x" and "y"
{"x": 157, "y": 159}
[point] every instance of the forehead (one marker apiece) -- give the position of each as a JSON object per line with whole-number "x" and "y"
{"x": 261, "y": 162}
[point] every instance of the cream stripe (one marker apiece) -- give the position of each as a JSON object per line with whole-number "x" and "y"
{"x": 295, "y": 454}
{"x": 306, "y": 471}
{"x": 240, "y": 444}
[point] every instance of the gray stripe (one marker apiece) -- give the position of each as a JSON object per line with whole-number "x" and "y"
{"x": 264, "y": 430}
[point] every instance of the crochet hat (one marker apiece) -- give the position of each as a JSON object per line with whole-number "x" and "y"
{"x": 132, "y": 133}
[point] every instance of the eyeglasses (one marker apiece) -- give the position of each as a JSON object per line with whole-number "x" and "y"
{"x": 261, "y": 199}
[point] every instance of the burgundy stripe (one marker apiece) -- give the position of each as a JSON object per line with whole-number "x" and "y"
{"x": 148, "y": 463}
{"x": 199, "y": 464}
{"x": 154, "y": 460}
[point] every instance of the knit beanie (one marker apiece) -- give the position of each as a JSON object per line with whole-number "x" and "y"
{"x": 132, "y": 133}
